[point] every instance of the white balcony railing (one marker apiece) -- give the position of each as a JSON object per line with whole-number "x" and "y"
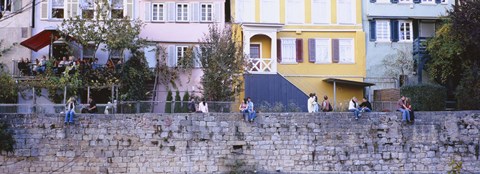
{"x": 260, "y": 65}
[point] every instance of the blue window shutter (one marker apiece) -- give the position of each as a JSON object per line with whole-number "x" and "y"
{"x": 335, "y": 51}
{"x": 373, "y": 30}
{"x": 279, "y": 50}
{"x": 311, "y": 50}
{"x": 417, "y": 1}
{"x": 373, "y": 1}
{"x": 438, "y": 1}
{"x": 394, "y": 1}
{"x": 394, "y": 30}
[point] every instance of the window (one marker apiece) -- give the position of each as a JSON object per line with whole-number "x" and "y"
{"x": 321, "y": 12}
{"x": 5, "y": 5}
{"x": 288, "y": 51}
{"x": 117, "y": 9}
{"x": 346, "y": 10}
{"x": 245, "y": 11}
{"x": 158, "y": 10}
{"x": 181, "y": 53}
{"x": 207, "y": 12}
{"x": 58, "y": 9}
{"x": 346, "y": 52}
{"x": 87, "y": 7}
{"x": 383, "y": 30}
{"x": 182, "y": 12}
{"x": 383, "y": 1}
{"x": 270, "y": 11}
{"x": 254, "y": 50}
{"x": 322, "y": 51}
{"x": 405, "y": 1}
{"x": 405, "y": 31}
{"x": 295, "y": 9}
{"x": 428, "y": 1}
{"x": 427, "y": 29}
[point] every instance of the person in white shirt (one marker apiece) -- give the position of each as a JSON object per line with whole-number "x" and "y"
{"x": 353, "y": 107}
{"x": 203, "y": 106}
{"x": 310, "y": 103}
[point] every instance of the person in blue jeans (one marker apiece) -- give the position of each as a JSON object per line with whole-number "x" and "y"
{"x": 353, "y": 107}
{"x": 404, "y": 109}
{"x": 243, "y": 109}
{"x": 70, "y": 110}
{"x": 250, "y": 110}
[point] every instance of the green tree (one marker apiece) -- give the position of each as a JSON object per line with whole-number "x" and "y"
{"x": 135, "y": 75}
{"x": 178, "y": 103}
{"x": 168, "y": 103}
{"x": 223, "y": 64}
{"x": 186, "y": 98}
{"x": 8, "y": 88}
{"x": 7, "y": 142}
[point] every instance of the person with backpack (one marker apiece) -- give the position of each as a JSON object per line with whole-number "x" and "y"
{"x": 326, "y": 106}
{"x": 70, "y": 110}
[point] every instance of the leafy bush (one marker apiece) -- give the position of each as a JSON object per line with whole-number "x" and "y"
{"x": 168, "y": 103}
{"x": 6, "y": 138}
{"x": 425, "y": 97}
{"x": 178, "y": 102}
{"x": 8, "y": 92}
{"x": 186, "y": 98}
{"x": 468, "y": 92}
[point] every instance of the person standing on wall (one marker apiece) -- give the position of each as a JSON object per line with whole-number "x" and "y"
{"x": 310, "y": 103}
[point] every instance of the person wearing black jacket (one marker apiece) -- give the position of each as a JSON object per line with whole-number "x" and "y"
{"x": 365, "y": 106}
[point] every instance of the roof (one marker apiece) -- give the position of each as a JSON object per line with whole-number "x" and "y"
{"x": 348, "y": 82}
{"x": 41, "y": 39}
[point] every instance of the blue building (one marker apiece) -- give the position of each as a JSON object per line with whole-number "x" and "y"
{"x": 397, "y": 28}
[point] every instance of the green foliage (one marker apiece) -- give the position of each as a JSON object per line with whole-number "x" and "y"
{"x": 425, "y": 97}
{"x": 468, "y": 92}
{"x": 178, "y": 102}
{"x": 186, "y": 98}
{"x": 8, "y": 89}
{"x": 444, "y": 50}
{"x": 456, "y": 167}
{"x": 223, "y": 63}
{"x": 168, "y": 103}
{"x": 7, "y": 141}
{"x": 135, "y": 75}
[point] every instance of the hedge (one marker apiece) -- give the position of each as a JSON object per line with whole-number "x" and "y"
{"x": 425, "y": 97}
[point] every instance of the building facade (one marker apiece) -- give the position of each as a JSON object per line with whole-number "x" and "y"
{"x": 297, "y": 47}
{"x": 15, "y": 27}
{"x": 397, "y": 28}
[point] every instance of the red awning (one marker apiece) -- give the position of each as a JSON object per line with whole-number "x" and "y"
{"x": 41, "y": 39}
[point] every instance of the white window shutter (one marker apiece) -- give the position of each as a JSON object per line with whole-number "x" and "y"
{"x": 217, "y": 14}
{"x": 128, "y": 9}
{"x": 148, "y": 12}
{"x": 194, "y": 11}
{"x": 270, "y": 11}
{"x": 196, "y": 53}
{"x": 66, "y": 8}
{"x": 295, "y": 11}
{"x": 172, "y": 56}
{"x": 248, "y": 11}
{"x": 321, "y": 11}
{"x": 44, "y": 10}
{"x": 171, "y": 12}
{"x": 238, "y": 11}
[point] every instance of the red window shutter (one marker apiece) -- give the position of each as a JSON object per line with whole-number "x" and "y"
{"x": 335, "y": 51}
{"x": 311, "y": 50}
{"x": 279, "y": 50}
{"x": 299, "y": 50}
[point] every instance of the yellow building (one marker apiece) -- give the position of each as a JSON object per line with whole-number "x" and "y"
{"x": 298, "y": 47}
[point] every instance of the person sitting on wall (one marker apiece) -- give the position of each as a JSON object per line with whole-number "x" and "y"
{"x": 353, "y": 107}
{"x": 191, "y": 105}
{"x": 91, "y": 107}
{"x": 365, "y": 106}
{"x": 70, "y": 110}
{"x": 326, "y": 106}
{"x": 410, "y": 109}
{"x": 404, "y": 109}
{"x": 243, "y": 109}
{"x": 251, "y": 111}
{"x": 203, "y": 106}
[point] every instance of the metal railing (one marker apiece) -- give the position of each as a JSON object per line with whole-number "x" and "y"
{"x": 122, "y": 107}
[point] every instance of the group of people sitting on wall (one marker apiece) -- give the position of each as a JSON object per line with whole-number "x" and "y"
{"x": 246, "y": 108}
{"x": 202, "y": 106}
{"x": 314, "y": 106}
{"x": 91, "y": 107}
{"x": 403, "y": 105}
{"x": 64, "y": 66}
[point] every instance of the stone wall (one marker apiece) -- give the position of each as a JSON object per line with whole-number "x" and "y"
{"x": 221, "y": 143}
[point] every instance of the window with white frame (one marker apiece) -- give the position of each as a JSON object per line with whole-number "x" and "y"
{"x": 245, "y": 11}
{"x": 295, "y": 12}
{"x": 383, "y": 30}
{"x": 88, "y": 8}
{"x": 322, "y": 51}
{"x": 206, "y": 12}
{"x": 158, "y": 10}
{"x": 405, "y": 1}
{"x": 346, "y": 10}
{"x": 270, "y": 11}
{"x": 321, "y": 12}
{"x": 181, "y": 53}
{"x": 182, "y": 12}
{"x": 117, "y": 9}
{"x": 58, "y": 9}
{"x": 428, "y": 1}
{"x": 346, "y": 51}
{"x": 405, "y": 30}
{"x": 5, "y": 5}
{"x": 288, "y": 51}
